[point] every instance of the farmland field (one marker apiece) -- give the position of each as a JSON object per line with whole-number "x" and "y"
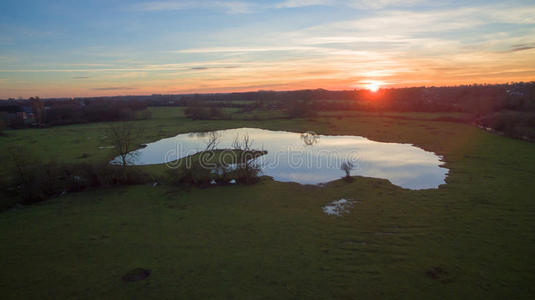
{"x": 470, "y": 238}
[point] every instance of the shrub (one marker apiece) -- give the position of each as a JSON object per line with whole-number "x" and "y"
{"x": 2, "y": 127}
{"x": 122, "y": 136}
{"x": 192, "y": 174}
{"x": 200, "y": 110}
{"x": 223, "y": 173}
{"x": 35, "y": 181}
{"x": 248, "y": 169}
{"x": 215, "y": 112}
{"x": 300, "y": 109}
{"x": 114, "y": 175}
{"x": 24, "y": 163}
{"x": 347, "y": 166}
{"x": 511, "y": 123}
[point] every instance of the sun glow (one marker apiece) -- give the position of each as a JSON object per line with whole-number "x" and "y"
{"x": 373, "y": 87}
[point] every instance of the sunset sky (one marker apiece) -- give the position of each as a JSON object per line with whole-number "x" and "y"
{"x": 116, "y": 47}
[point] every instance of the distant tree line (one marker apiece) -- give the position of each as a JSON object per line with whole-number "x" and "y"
{"x": 70, "y": 112}
{"x": 200, "y": 109}
{"x": 478, "y": 99}
{"x": 506, "y": 108}
{"x": 38, "y": 112}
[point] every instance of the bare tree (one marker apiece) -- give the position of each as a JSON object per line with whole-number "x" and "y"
{"x": 26, "y": 169}
{"x": 244, "y": 144}
{"x": 213, "y": 141}
{"x": 206, "y": 157}
{"x": 247, "y": 164}
{"x": 38, "y": 109}
{"x": 23, "y": 162}
{"x": 122, "y": 136}
{"x": 347, "y": 166}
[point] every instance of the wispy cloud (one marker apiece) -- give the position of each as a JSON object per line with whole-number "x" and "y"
{"x": 304, "y": 3}
{"x": 212, "y": 68}
{"x": 232, "y": 7}
{"x": 425, "y": 32}
{"x": 357, "y": 4}
{"x": 115, "y": 88}
{"x": 243, "y": 49}
{"x": 292, "y": 44}
{"x": 522, "y": 47}
{"x": 138, "y": 71}
{"x": 242, "y": 7}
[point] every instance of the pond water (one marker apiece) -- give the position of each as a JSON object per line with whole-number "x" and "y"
{"x": 307, "y": 158}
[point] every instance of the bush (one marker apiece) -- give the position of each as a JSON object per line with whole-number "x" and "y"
{"x": 2, "y": 127}
{"x": 115, "y": 175}
{"x": 300, "y": 109}
{"x": 25, "y": 169}
{"x": 193, "y": 174}
{"x": 34, "y": 181}
{"x": 220, "y": 166}
{"x": 248, "y": 169}
{"x": 196, "y": 112}
{"x": 143, "y": 115}
{"x": 511, "y": 123}
{"x": 204, "y": 111}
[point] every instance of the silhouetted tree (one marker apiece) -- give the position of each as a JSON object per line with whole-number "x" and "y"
{"x": 25, "y": 168}
{"x": 247, "y": 166}
{"x": 2, "y": 127}
{"x": 347, "y": 166}
{"x": 300, "y": 108}
{"x": 38, "y": 109}
{"x": 121, "y": 136}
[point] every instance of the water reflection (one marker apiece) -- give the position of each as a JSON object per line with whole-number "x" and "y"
{"x": 309, "y": 158}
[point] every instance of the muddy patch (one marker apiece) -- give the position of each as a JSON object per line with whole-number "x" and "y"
{"x": 439, "y": 274}
{"x": 136, "y": 275}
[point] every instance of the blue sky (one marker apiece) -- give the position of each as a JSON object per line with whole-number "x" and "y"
{"x": 83, "y": 48}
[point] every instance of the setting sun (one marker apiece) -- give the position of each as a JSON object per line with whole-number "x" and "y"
{"x": 371, "y": 85}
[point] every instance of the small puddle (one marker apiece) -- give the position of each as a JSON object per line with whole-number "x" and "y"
{"x": 339, "y": 207}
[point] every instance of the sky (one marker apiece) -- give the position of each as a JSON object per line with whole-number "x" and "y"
{"x": 117, "y": 47}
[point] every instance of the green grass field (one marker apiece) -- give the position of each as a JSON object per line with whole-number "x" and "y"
{"x": 272, "y": 240}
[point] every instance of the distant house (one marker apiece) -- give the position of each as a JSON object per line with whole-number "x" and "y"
{"x": 13, "y": 115}
{"x": 515, "y": 93}
{"x": 17, "y": 115}
{"x": 27, "y": 114}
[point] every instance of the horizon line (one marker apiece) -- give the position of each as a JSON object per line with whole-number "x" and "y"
{"x": 261, "y": 90}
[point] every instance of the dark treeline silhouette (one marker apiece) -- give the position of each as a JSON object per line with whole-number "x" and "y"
{"x": 200, "y": 109}
{"x": 477, "y": 99}
{"x": 66, "y": 112}
{"x": 507, "y": 108}
{"x": 48, "y": 112}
